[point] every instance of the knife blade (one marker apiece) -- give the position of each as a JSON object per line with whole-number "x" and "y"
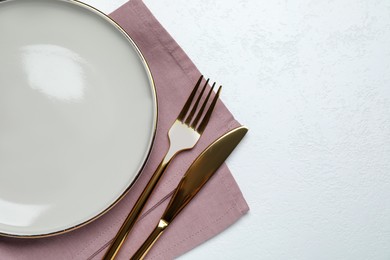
{"x": 200, "y": 171}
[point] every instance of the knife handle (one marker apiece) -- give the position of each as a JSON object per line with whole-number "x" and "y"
{"x": 149, "y": 242}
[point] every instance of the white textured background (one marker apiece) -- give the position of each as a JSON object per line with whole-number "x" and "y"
{"x": 311, "y": 79}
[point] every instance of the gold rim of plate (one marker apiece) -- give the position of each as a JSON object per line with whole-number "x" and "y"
{"x": 155, "y": 117}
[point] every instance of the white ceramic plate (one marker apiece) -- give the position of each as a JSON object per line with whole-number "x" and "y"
{"x": 77, "y": 115}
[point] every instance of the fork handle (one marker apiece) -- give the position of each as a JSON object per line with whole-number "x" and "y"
{"x": 150, "y": 241}
{"x": 136, "y": 211}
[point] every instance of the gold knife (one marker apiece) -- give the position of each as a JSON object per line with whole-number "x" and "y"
{"x": 201, "y": 170}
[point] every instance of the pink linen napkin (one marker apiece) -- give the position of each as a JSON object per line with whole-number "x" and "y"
{"x": 216, "y": 207}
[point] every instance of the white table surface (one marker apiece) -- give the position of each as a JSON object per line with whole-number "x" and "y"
{"x": 311, "y": 79}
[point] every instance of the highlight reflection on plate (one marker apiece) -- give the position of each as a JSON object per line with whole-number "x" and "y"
{"x": 41, "y": 60}
{"x": 77, "y": 115}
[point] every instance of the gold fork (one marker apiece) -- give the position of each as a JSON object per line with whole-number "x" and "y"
{"x": 183, "y": 135}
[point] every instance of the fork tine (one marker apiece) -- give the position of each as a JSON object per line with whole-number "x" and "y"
{"x": 195, "y": 106}
{"x": 196, "y": 121}
{"x": 206, "y": 118}
{"x": 187, "y": 105}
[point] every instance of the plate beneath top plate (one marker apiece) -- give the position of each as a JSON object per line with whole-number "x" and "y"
{"x": 78, "y": 115}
